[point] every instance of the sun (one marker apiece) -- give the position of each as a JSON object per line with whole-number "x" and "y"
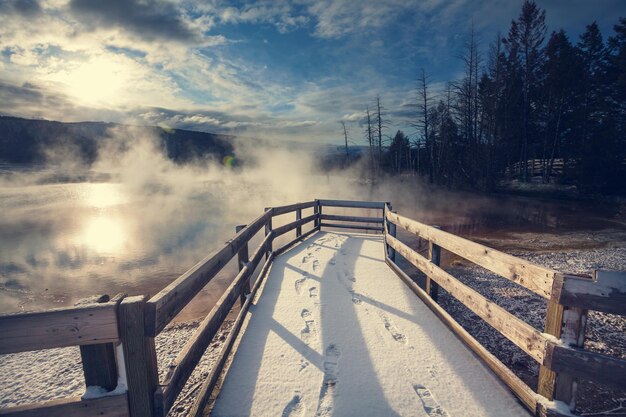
{"x": 100, "y": 81}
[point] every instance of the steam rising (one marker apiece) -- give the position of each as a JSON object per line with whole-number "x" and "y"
{"x": 150, "y": 222}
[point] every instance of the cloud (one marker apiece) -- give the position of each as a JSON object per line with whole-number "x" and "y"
{"x": 148, "y": 20}
{"x": 27, "y": 8}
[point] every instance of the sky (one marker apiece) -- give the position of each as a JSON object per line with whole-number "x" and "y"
{"x": 285, "y": 70}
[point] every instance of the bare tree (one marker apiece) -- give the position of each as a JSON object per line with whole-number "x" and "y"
{"x": 345, "y": 136}
{"x": 370, "y": 137}
{"x": 381, "y": 124}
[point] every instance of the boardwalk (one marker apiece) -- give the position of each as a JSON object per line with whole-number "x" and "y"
{"x": 335, "y": 332}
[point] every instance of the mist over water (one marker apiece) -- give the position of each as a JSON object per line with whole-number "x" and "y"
{"x": 154, "y": 219}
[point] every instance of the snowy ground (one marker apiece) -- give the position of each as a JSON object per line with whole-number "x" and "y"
{"x": 30, "y": 377}
{"x": 335, "y": 332}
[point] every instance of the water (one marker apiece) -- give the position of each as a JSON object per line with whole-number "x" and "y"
{"x": 63, "y": 242}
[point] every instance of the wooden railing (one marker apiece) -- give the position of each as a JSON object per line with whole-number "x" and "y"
{"x": 90, "y": 326}
{"x": 117, "y": 336}
{"x": 558, "y": 349}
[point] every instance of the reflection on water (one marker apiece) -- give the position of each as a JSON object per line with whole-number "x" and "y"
{"x": 103, "y": 234}
{"x": 62, "y": 242}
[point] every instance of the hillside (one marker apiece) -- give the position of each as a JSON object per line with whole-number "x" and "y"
{"x": 27, "y": 141}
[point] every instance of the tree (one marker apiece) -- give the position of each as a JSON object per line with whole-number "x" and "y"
{"x": 345, "y": 136}
{"x": 561, "y": 74}
{"x": 526, "y": 38}
{"x": 381, "y": 124}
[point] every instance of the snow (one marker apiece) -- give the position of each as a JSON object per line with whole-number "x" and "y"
{"x": 336, "y": 332}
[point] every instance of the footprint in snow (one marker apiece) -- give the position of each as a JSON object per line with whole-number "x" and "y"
{"x": 325, "y": 403}
{"x": 298, "y": 285}
{"x": 356, "y": 298}
{"x": 313, "y": 292}
{"x": 303, "y": 365}
{"x": 431, "y": 406}
{"x": 316, "y": 265}
{"x": 309, "y": 329}
{"x": 295, "y": 407}
{"x": 393, "y": 330}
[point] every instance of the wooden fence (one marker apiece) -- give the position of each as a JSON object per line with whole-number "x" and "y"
{"x": 558, "y": 349}
{"x": 117, "y": 336}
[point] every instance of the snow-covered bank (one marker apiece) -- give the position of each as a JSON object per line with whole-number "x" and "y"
{"x": 335, "y": 332}
{"x": 57, "y": 373}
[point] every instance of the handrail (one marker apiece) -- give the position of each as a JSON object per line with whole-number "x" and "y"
{"x": 62, "y": 327}
{"x": 534, "y": 277}
{"x": 517, "y": 331}
{"x": 165, "y": 305}
{"x": 568, "y": 298}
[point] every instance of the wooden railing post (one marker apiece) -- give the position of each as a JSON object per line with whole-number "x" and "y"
{"x": 298, "y": 217}
{"x": 317, "y": 209}
{"x": 99, "y": 365}
{"x": 391, "y": 229}
{"x": 139, "y": 357}
{"x": 567, "y": 324}
{"x": 268, "y": 230}
{"x": 434, "y": 255}
{"x": 242, "y": 260}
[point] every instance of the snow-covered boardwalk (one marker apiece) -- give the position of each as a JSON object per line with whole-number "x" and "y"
{"x": 334, "y": 332}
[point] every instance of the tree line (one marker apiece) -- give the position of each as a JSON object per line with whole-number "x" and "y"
{"x": 529, "y": 97}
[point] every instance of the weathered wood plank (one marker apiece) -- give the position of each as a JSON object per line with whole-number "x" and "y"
{"x": 277, "y": 211}
{"x": 279, "y": 231}
{"x": 573, "y": 335}
{"x": 606, "y": 292}
{"x": 299, "y": 217}
{"x": 519, "y": 388}
{"x": 534, "y": 277}
{"x": 139, "y": 357}
{"x": 434, "y": 255}
{"x": 546, "y": 384}
{"x": 209, "y": 383}
{"x": 99, "y": 364}
{"x": 352, "y": 226}
{"x": 184, "y": 364}
{"x": 353, "y": 204}
{"x": 588, "y": 365}
{"x": 62, "y": 327}
{"x": 242, "y": 260}
{"x": 529, "y": 339}
{"x": 111, "y": 406}
{"x": 164, "y": 306}
{"x": 356, "y": 219}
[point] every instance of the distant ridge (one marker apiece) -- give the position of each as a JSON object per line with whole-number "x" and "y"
{"x": 27, "y": 141}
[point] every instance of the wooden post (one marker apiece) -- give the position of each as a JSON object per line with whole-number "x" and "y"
{"x": 391, "y": 252}
{"x": 99, "y": 366}
{"x": 268, "y": 230}
{"x": 298, "y": 217}
{"x": 434, "y": 254}
{"x": 139, "y": 357}
{"x": 567, "y": 324}
{"x": 242, "y": 260}
{"x": 317, "y": 209}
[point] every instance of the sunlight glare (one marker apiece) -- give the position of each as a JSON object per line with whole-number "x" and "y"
{"x": 98, "y": 81}
{"x": 103, "y": 195}
{"x": 104, "y": 235}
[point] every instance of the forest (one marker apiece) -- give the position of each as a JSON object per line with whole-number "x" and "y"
{"x": 531, "y": 101}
